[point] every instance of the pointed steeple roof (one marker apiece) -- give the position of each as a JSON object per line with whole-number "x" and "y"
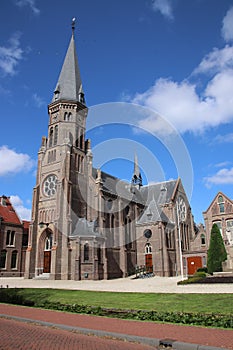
{"x": 69, "y": 85}
{"x": 137, "y": 178}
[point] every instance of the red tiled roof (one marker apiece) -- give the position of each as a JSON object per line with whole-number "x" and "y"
{"x": 26, "y": 224}
{"x": 7, "y": 211}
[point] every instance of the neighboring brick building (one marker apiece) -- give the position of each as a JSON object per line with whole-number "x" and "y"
{"x": 220, "y": 212}
{"x": 13, "y": 240}
{"x": 87, "y": 224}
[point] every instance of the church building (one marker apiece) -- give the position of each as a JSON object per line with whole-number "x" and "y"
{"x": 87, "y": 224}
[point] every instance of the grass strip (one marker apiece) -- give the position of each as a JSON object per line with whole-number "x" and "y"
{"x": 213, "y": 310}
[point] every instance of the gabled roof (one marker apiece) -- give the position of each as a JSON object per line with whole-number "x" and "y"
{"x": 69, "y": 85}
{"x": 85, "y": 228}
{"x": 7, "y": 212}
{"x": 161, "y": 192}
{"x": 155, "y": 196}
{"x": 153, "y": 213}
{"x": 218, "y": 194}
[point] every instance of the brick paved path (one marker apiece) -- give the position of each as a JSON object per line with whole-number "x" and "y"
{"x": 187, "y": 334}
{"x": 18, "y": 335}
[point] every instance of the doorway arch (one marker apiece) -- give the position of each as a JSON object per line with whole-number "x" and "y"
{"x": 45, "y": 252}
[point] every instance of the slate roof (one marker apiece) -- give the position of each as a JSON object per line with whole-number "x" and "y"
{"x": 155, "y": 197}
{"x": 161, "y": 192}
{"x": 85, "y": 228}
{"x": 69, "y": 85}
{"x": 117, "y": 187}
{"x": 7, "y": 212}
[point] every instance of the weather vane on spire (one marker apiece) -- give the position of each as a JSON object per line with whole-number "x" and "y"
{"x": 73, "y": 24}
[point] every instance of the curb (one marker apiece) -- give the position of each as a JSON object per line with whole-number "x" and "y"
{"x": 125, "y": 337}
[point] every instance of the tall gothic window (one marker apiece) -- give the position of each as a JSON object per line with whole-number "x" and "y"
{"x": 86, "y": 252}
{"x": 128, "y": 237}
{"x": 55, "y": 135}
{"x": 219, "y": 225}
{"x": 50, "y": 137}
{"x": 221, "y": 204}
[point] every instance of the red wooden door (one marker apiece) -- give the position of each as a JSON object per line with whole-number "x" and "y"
{"x": 194, "y": 262}
{"x": 149, "y": 263}
{"x": 47, "y": 261}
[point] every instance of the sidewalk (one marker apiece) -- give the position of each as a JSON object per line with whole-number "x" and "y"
{"x": 180, "y": 337}
{"x": 150, "y": 285}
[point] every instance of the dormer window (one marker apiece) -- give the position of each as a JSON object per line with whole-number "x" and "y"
{"x": 56, "y": 93}
{"x": 81, "y": 97}
{"x": 221, "y": 204}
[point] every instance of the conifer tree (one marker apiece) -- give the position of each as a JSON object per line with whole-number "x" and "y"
{"x": 216, "y": 252}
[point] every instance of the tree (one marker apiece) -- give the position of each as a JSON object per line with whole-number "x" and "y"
{"x": 216, "y": 252}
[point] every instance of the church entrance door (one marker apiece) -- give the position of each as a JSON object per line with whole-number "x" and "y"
{"x": 47, "y": 253}
{"x": 149, "y": 263}
{"x": 47, "y": 261}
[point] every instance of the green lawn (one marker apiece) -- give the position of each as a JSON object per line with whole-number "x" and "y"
{"x": 203, "y": 303}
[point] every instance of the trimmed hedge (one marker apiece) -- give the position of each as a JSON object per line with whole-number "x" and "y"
{"x": 11, "y": 296}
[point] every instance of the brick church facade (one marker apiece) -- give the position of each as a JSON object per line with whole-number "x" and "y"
{"x": 87, "y": 224}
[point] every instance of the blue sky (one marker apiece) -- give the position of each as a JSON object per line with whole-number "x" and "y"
{"x": 174, "y": 57}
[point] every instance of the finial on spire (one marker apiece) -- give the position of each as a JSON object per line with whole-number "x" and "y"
{"x": 73, "y": 24}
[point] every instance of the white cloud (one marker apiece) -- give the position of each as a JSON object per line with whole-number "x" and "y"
{"x": 12, "y": 162}
{"x": 30, "y": 3}
{"x": 11, "y": 56}
{"x": 185, "y": 108}
{"x": 222, "y": 177}
{"x": 164, "y": 7}
{"x": 227, "y": 27}
{"x": 228, "y": 138}
{"x": 216, "y": 61}
{"x": 182, "y": 103}
{"x": 23, "y": 212}
{"x": 222, "y": 164}
{"x": 38, "y": 100}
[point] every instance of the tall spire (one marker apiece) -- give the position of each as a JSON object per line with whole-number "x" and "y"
{"x": 137, "y": 178}
{"x": 69, "y": 85}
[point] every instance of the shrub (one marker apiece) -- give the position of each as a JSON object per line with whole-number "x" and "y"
{"x": 217, "y": 252}
{"x": 202, "y": 269}
{"x": 201, "y": 274}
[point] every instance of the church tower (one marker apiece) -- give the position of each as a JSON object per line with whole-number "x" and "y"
{"x": 60, "y": 194}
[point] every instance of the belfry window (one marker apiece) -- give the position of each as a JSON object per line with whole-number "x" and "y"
{"x": 50, "y": 137}
{"x": 55, "y": 135}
